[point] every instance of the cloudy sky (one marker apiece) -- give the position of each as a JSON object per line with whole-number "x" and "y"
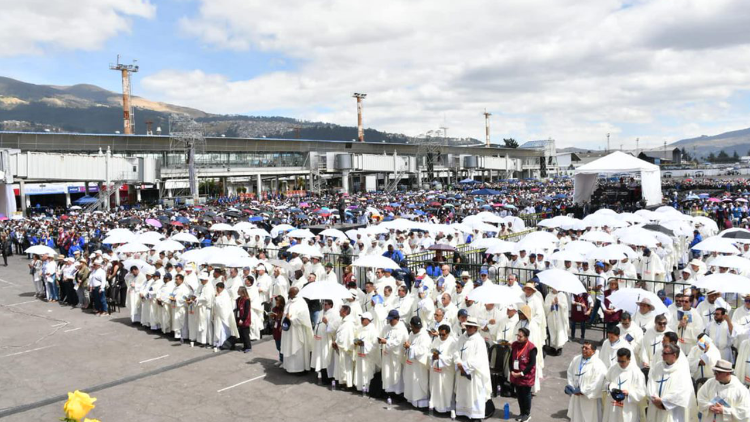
{"x": 571, "y": 70}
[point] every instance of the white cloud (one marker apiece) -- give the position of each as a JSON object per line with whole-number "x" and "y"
{"x": 568, "y": 69}
{"x": 31, "y": 26}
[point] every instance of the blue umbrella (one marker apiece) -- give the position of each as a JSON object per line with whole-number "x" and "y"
{"x": 560, "y": 196}
{"x": 395, "y": 204}
{"x": 85, "y": 200}
{"x": 704, "y": 195}
{"x": 183, "y": 220}
{"x": 468, "y": 181}
{"x": 419, "y": 212}
{"x": 484, "y": 191}
{"x": 256, "y": 218}
{"x": 692, "y": 197}
{"x": 295, "y": 209}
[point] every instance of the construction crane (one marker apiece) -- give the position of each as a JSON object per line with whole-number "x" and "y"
{"x": 128, "y": 116}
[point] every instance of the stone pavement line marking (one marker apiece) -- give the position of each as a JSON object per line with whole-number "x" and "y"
{"x": 149, "y": 360}
{"x": 62, "y": 397}
{"x": 21, "y": 303}
{"x": 71, "y": 330}
{"x": 59, "y": 325}
{"x": 240, "y": 383}
{"x": 8, "y": 282}
{"x": 26, "y": 351}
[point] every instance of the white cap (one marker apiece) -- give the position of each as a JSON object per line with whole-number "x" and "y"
{"x": 367, "y": 315}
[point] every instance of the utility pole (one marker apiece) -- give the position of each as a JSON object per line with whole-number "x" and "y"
{"x": 608, "y": 143}
{"x": 127, "y": 109}
{"x": 637, "y": 147}
{"x": 360, "y": 127}
{"x": 487, "y": 127}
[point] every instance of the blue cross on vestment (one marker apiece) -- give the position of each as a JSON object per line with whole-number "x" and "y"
{"x": 462, "y": 351}
{"x": 661, "y": 383}
{"x": 653, "y": 346}
{"x": 581, "y": 372}
{"x": 709, "y": 313}
{"x": 505, "y": 330}
{"x": 620, "y": 383}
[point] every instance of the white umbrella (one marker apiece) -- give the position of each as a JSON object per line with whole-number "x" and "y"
{"x": 725, "y": 283}
{"x": 119, "y": 237}
{"x": 169, "y": 245}
{"x": 119, "y": 231}
{"x": 709, "y": 223}
{"x": 496, "y": 294}
{"x": 221, "y": 227}
{"x": 731, "y": 261}
{"x": 149, "y": 238}
{"x": 561, "y": 281}
{"x": 597, "y": 236}
{"x": 502, "y": 247}
{"x": 485, "y": 242}
{"x": 241, "y": 262}
{"x": 566, "y": 255}
{"x": 334, "y": 233}
{"x": 75, "y": 207}
{"x": 132, "y": 247}
{"x": 281, "y": 228}
{"x": 638, "y": 238}
{"x": 257, "y": 232}
{"x": 580, "y": 246}
{"x": 716, "y": 244}
{"x": 281, "y": 264}
{"x": 41, "y": 250}
{"x": 185, "y": 237}
{"x": 558, "y": 221}
{"x": 321, "y": 290}
{"x": 301, "y": 234}
{"x": 141, "y": 264}
{"x": 376, "y": 230}
{"x": 376, "y": 261}
{"x": 482, "y": 226}
{"x": 606, "y": 254}
{"x": 626, "y": 299}
{"x": 303, "y": 249}
{"x": 243, "y": 225}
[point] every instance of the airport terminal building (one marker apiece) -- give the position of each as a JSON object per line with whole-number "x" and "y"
{"x": 156, "y": 166}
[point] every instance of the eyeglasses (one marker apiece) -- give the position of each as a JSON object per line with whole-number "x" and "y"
{"x": 667, "y": 353}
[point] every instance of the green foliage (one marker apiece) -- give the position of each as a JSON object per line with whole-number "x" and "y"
{"x": 510, "y": 143}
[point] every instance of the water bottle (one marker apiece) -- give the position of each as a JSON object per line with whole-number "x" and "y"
{"x": 333, "y": 385}
{"x": 453, "y": 415}
{"x": 506, "y": 411}
{"x": 364, "y": 392}
{"x": 499, "y": 390}
{"x": 320, "y": 378}
{"x": 389, "y": 403}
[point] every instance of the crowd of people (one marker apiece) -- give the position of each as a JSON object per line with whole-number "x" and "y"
{"x": 416, "y": 327}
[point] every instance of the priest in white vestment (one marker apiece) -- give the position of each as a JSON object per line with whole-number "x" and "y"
{"x": 417, "y": 365}
{"x": 323, "y": 339}
{"x": 442, "y": 371}
{"x": 344, "y": 348}
{"x": 473, "y": 383}
{"x": 179, "y": 298}
{"x": 224, "y": 324}
{"x": 742, "y": 366}
{"x": 585, "y": 383}
{"x": 367, "y": 357}
{"x": 556, "y": 310}
{"x": 703, "y": 357}
{"x": 724, "y": 398}
{"x": 205, "y": 304}
{"x": 297, "y": 340}
{"x": 670, "y": 389}
{"x": 134, "y": 280}
{"x": 625, "y": 376}
{"x": 610, "y": 346}
{"x": 392, "y": 345}
{"x": 721, "y": 331}
{"x": 165, "y": 293}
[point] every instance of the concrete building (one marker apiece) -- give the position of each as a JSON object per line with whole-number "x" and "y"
{"x": 283, "y": 165}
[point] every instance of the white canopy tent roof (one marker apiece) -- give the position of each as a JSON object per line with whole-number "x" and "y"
{"x": 618, "y": 162}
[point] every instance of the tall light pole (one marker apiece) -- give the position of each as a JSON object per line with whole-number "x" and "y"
{"x": 637, "y": 147}
{"x": 608, "y": 142}
{"x": 127, "y": 108}
{"x": 360, "y": 127}
{"x": 487, "y": 127}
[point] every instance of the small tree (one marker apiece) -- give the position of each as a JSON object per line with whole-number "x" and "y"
{"x": 510, "y": 143}
{"x": 711, "y": 157}
{"x": 736, "y": 157}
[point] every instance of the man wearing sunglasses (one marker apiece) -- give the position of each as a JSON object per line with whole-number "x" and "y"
{"x": 670, "y": 389}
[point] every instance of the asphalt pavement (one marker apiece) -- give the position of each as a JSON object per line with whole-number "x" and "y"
{"x": 47, "y": 350}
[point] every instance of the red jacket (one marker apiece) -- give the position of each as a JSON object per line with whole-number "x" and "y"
{"x": 522, "y": 353}
{"x": 243, "y": 312}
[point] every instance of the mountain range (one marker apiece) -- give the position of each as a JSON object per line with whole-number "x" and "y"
{"x": 87, "y": 108}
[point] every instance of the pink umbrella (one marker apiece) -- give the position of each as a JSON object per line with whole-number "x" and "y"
{"x": 303, "y": 205}
{"x": 153, "y": 222}
{"x": 714, "y": 200}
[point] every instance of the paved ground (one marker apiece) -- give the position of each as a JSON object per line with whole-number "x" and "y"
{"x": 47, "y": 350}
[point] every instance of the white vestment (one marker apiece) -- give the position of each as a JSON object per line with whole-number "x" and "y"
{"x": 205, "y": 304}
{"x": 742, "y": 367}
{"x": 472, "y": 394}
{"x": 588, "y": 376}
{"x": 557, "y": 319}
{"x": 442, "y": 374}
{"x": 417, "y": 369}
{"x": 135, "y": 283}
{"x": 630, "y": 379}
{"x": 296, "y": 343}
{"x": 608, "y": 351}
{"x": 393, "y": 353}
{"x": 323, "y": 337}
{"x": 734, "y": 394}
{"x": 367, "y": 358}
{"x": 344, "y": 354}
{"x": 179, "y": 307}
{"x": 671, "y": 383}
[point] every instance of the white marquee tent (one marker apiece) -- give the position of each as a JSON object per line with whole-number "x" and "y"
{"x": 618, "y": 162}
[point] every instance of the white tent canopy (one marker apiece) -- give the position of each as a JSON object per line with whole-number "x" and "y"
{"x": 618, "y": 162}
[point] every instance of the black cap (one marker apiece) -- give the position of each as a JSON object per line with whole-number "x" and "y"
{"x": 416, "y": 322}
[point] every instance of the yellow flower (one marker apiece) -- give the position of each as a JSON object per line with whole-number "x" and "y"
{"x": 79, "y": 404}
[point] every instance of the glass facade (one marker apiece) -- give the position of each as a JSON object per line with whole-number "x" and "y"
{"x": 234, "y": 159}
